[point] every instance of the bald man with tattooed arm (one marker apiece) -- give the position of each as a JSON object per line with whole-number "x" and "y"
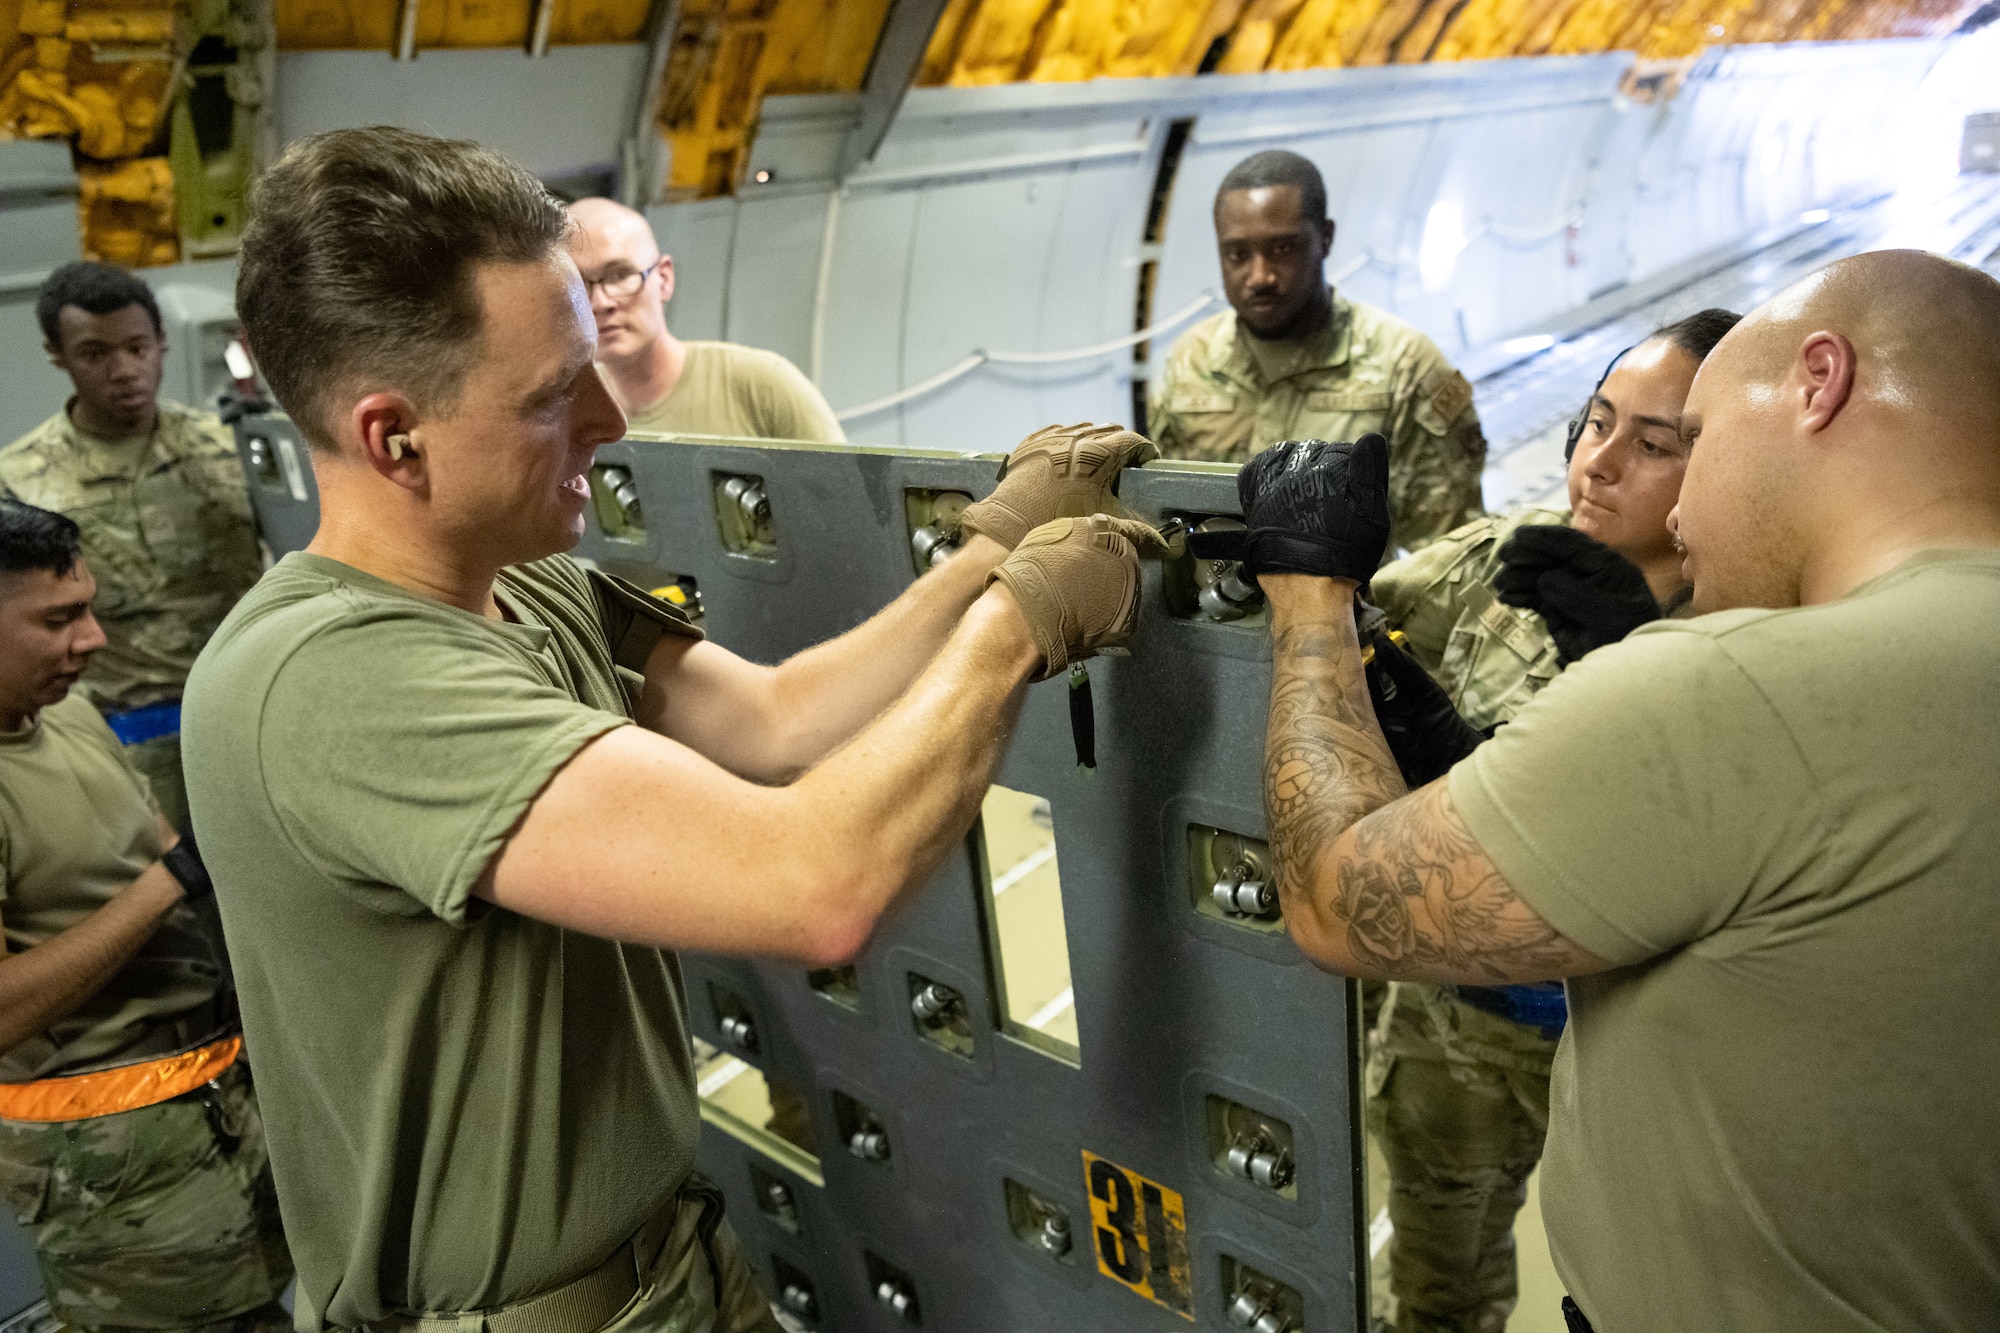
{"x": 1757, "y": 844}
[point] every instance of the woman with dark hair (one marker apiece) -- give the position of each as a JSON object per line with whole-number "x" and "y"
{"x": 1458, "y": 1076}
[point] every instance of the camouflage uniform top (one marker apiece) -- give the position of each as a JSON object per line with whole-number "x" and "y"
{"x": 1492, "y": 659}
{"x": 1226, "y": 396}
{"x": 167, "y": 530}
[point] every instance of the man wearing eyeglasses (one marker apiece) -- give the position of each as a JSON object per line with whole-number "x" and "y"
{"x": 662, "y": 382}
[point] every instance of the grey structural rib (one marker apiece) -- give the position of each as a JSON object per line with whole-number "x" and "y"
{"x": 899, "y": 52}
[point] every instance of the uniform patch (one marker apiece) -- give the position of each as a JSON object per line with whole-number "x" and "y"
{"x": 1347, "y": 400}
{"x": 1185, "y": 401}
{"x": 1452, "y": 397}
{"x": 1139, "y": 1232}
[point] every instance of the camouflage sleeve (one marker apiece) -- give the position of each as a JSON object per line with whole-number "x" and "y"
{"x": 1162, "y": 427}
{"x": 1414, "y": 593}
{"x": 1436, "y": 449}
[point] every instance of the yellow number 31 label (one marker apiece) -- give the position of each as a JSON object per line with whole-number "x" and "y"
{"x": 1140, "y": 1229}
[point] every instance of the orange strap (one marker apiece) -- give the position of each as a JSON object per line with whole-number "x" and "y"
{"x": 126, "y": 1088}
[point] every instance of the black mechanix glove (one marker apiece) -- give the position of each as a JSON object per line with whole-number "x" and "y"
{"x": 1424, "y": 731}
{"x": 1309, "y": 507}
{"x": 1587, "y": 593}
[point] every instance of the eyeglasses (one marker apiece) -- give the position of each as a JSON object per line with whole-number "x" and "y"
{"x": 622, "y": 284}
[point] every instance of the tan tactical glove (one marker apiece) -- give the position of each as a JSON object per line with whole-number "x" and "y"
{"x": 1058, "y": 472}
{"x": 1077, "y": 583}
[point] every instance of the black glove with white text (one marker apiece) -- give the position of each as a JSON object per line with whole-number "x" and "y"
{"x": 1424, "y": 730}
{"x": 1309, "y": 507}
{"x": 1587, "y": 593}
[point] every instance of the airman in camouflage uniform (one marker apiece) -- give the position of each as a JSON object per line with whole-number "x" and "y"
{"x": 147, "y": 1218}
{"x": 1459, "y": 1097}
{"x": 1228, "y": 395}
{"x": 167, "y": 528}
{"x": 1292, "y": 359}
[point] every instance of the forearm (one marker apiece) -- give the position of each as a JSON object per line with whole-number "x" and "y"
{"x": 827, "y": 693}
{"x": 1326, "y": 764}
{"x": 803, "y": 871}
{"x": 41, "y": 985}
{"x": 901, "y": 795}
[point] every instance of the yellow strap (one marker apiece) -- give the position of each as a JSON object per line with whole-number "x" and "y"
{"x": 126, "y": 1088}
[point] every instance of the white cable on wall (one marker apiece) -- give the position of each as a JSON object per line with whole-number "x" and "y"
{"x": 980, "y": 358}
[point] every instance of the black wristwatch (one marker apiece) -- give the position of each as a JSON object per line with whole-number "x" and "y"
{"x": 184, "y": 864}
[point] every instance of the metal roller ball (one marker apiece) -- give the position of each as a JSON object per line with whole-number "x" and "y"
{"x": 1239, "y": 895}
{"x": 1230, "y": 596}
{"x": 1055, "y": 1234}
{"x": 932, "y": 546}
{"x": 933, "y": 1002}
{"x": 799, "y": 1300}
{"x": 624, "y": 490}
{"x": 1272, "y": 1170}
{"x": 870, "y": 1145}
{"x": 740, "y": 1031}
{"x": 895, "y": 1298}
{"x": 1246, "y": 1310}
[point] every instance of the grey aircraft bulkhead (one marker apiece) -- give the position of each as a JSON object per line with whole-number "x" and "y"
{"x": 920, "y": 1153}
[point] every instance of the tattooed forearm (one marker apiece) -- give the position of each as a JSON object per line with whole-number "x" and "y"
{"x": 1419, "y": 897}
{"x": 1325, "y": 762}
{"x": 1374, "y": 881}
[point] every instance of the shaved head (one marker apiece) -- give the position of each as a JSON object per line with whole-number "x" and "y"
{"x": 1852, "y": 420}
{"x": 610, "y": 242}
{"x": 608, "y": 227}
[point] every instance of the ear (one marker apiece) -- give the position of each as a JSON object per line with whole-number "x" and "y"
{"x": 55, "y": 355}
{"x": 666, "y": 275}
{"x": 1326, "y": 237}
{"x": 384, "y": 428}
{"x": 1826, "y": 366}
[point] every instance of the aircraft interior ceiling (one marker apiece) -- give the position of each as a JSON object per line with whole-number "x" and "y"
{"x": 977, "y": 277}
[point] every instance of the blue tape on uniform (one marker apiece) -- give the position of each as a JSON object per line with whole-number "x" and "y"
{"x": 1537, "y": 1004}
{"x": 136, "y": 726}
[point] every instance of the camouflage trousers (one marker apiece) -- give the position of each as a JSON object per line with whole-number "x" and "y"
{"x": 159, "y": 1218}
{"x": 1459, "y": 1104}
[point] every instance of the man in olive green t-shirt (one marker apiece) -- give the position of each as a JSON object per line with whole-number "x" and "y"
{"x": 436, "y": 834}
{"x": 1760, "y": 844}
{"x": 130, "y": 1143}
{"x": 663, "y": 383}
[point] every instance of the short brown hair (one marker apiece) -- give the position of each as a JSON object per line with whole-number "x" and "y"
{"x": 358, "y": 263}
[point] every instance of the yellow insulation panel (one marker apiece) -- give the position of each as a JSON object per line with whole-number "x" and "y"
{"x": 97, "y": 75}
{"x": 128, "y": 213}
{"x": 1002, "y": 41}
{"x": 325, "y": 25}
{"x": 728, "y": 54}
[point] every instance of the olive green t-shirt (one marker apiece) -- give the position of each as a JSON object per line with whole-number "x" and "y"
{"x": 465, "y": 1106}
{"x": 728, "y": 389}
{"x": 1781, "y": 1110}
{"x": 76, "y": 826}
